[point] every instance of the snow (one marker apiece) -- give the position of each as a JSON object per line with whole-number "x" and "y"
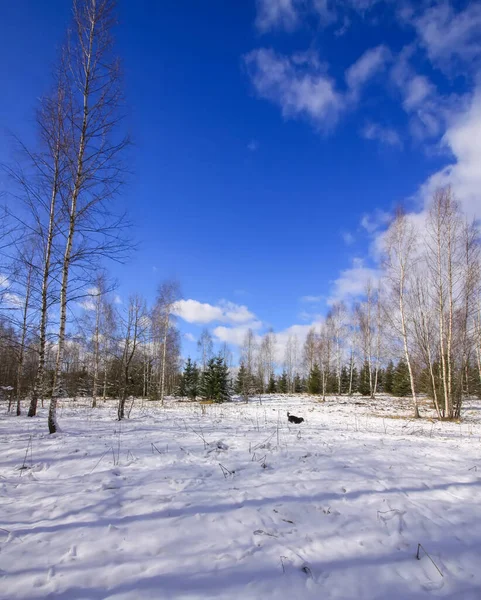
{"x": 231, "y": 501}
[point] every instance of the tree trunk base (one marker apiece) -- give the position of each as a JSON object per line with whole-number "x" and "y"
{"x": 52, "y": 416}
{"x": 32, "y": 411}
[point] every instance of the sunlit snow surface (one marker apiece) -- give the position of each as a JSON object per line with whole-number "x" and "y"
{"x": 232, "y": 502}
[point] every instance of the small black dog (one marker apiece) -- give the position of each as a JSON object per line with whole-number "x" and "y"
{"x": 293, "y": 419}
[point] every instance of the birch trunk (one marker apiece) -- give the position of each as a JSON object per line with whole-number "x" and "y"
{"x": 21, "y": 352}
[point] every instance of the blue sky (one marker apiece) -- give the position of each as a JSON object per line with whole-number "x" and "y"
{"x": 272, "y": 138}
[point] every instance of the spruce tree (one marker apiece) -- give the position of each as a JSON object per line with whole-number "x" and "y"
{"x": 271, "y": 386}
{"x": 344, "y": 380}
{"x": 190, "y": 380}
{"x": 388, "y": 378}
{"x": 283, "y": 383}
{"x": 363, "y": 386}
{"x": 314, "y": 380}
{"x": 401, "y": 385}
{"x": 298, "y": 386}
{"x": 223, "y": 387}
{"x": 179, "y": 391}
{"x": 242, "y": 384}
{"x": 215, "y": 380}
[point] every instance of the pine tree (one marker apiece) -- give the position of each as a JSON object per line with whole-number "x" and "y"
{"x": 314, "y": 380}
{"x": 364, "y": 387}
{"x": 401, "y": 385}
{"x": 388, "y": 378}
{"x": 271, "y": 386}
{"x": 283, "y": 383}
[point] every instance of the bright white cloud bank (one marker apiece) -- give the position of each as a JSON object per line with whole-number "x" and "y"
{"x": 463, "y": 138}
{"x": 194, "y": 311}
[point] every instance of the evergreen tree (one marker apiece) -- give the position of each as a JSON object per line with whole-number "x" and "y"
{"x": 388, "y": 378}
{"x": 363, "y": 386}
{"x": 283, "y": 383}
{"x": 215, "y": 380}
{"x": 241, "y": 386}
{"x": 401, "y": 385}
{"x": 298, "y": 384}
{"x": 271, "y": 386}
{"x": 179, "y": 391}
{"x": 224, "y": 392}
{"x": 190, "y": 380}
{"x": 331, "y": 383}
{"x": 381, "y": 375}
{"x": 314, "y": 380}
{"x": 344, "y": 380}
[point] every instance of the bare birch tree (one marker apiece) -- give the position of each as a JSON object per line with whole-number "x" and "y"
{"x": 27, "y": 258}
{"x": 442, "y": 255}
{"x": 167, "y": 298}
{"x": 401, "y": 249}
{"x": 92, "y": 152}
{"x": 133, "y": 328}
{"x": 205, "y": 347}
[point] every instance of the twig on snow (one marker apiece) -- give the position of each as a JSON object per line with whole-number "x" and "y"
{"x": 421, "y": 547}
{"x": 100, "y": 459}
{"x": 225, "y": 471}
{"x": 154, "y": 447}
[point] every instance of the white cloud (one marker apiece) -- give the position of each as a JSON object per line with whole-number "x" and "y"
{"x": 375, "y": 221}
{"x": 296, "y": 333}
{"x": 447, "y": 34}
{"x": 276, "y": 13}
{"x": 235, "y": 335}
{"x": 427, "y": 111}
{"x": 194, "y": 311}
{"x": 351, "y": 283}
{"x": 189, "y": 337}
{"x": 368, "y": 65}
{"x": 348, "y": 238}
{"x": 235, "y": 313}
{"x": 12, "y": 300}
{"x": 289, "y": 14}
{"x": 4, "y": 281}
{"x": 298, "y": 84}
{"x": 416, "y": 90}
{"x": 385, "y": 135}
{"x": 464, "y": 174}
{"x": 88, "y": 303}
{"x": 253, "y": 145}
{"x": 117, "y": 299}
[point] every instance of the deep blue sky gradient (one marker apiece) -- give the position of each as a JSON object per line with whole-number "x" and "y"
{"x": 259, "y": 227}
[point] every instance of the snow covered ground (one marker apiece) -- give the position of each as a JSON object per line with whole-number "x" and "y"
{"x": 231, "y": 501}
